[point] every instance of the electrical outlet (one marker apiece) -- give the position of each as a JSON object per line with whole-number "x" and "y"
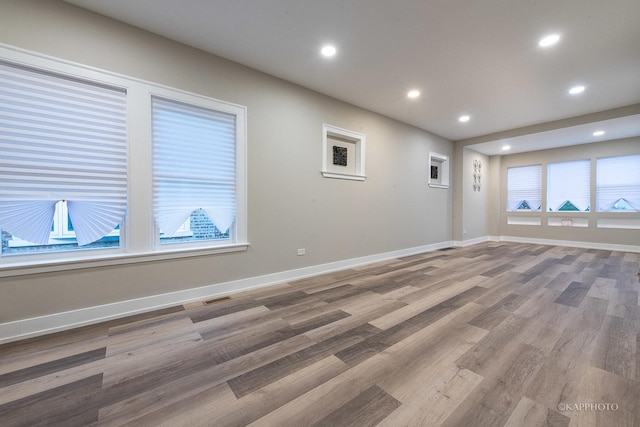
{"x": 302, "y": 251}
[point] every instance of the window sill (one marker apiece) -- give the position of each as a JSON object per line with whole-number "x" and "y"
{"x": 615, "y": 214}
{"x": 623, "y": 222}
{"x": 438, "y": 186}
{"x": 23, "y": 268}
{"x": 524, "y": 220}
{"x": 524, "y": 212}
{"x": 343, "y": 176}
{"x": 558, "y": 214}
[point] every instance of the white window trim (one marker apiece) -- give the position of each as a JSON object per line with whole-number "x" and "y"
{"x": 359, "y": 141}
{"x": 597, "y": 193}
{"x": 238, "y": 230}
{"x": 442, "y": 162}
{"x": 61, "y": 222}
{"x": 542, "y": 194}
{"x": 138, "y": 239}
{"x": 111, "y": 259}
{"x": 553, "y": 187}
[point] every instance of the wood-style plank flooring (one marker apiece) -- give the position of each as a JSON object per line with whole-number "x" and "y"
{"x": 496, "y": 334}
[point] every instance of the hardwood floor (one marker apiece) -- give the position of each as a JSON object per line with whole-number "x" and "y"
{"x": 496, "y": 334}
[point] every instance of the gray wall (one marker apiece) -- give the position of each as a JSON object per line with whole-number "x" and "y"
{"x": 494, "y": 213}
{"x": 290, "y": 204}
{"x": 475, "y": 203}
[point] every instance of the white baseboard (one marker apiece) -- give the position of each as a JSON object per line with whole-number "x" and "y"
{"x": 28, "y": 328}
{"x": 550, "y": 242}
{"x": 569, "y": 243}
{"x": 469, "y": 242}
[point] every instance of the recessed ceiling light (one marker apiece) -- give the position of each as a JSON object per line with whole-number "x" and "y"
{"x": 598, "y": 133}
{"x": 464, "y": 118}
{"x": 576, "y": 90}
{"x": 328, "y": 51}
{"x": 506, "y": 147}
{"x": 549, "y": 40}
{"x": 413, "y": 93}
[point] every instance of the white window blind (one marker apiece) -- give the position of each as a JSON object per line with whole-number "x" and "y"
{"x": 194, "y": 164}
{"x": 60, "y": 139}
{"x": 524, "y": 188}
{"x": 618, "y": 183}
{"x": 569, "y": 182}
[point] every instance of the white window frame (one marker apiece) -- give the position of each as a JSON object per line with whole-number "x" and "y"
{"x": 61, "y": 222}
{"x": 354, "y": 141}
{"x": 140, "y": 243}
{"x": 237, "y": 231}
{"x": 539, "y": 188}
{"x": 20, "y": 57}
{"x": 598, "y": 191}
{"x": 441, "y": 162}
{"x": 577, "y": 166}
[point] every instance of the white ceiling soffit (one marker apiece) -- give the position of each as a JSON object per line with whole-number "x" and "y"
{"x": 623, "y": 127}
{"x": 479, "y": 58}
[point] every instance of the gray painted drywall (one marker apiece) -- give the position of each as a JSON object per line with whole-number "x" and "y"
{"x": 494, "y": 213}
{"x": 290, "y": 205}
{"x": 475, "y": 203}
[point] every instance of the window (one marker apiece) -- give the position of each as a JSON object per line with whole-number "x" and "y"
{"x": 194, "y": 170}
{"x": 63, "y": 161}
{"x": 62, "y": 237}
{"x": 569, "y": 186}
{"x": 67, "y": 192}
{"x": 524, "y": 188}
{"x": 618, "y": 184}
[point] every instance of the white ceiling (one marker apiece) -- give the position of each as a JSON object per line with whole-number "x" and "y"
{"x": 466, "y": 57}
